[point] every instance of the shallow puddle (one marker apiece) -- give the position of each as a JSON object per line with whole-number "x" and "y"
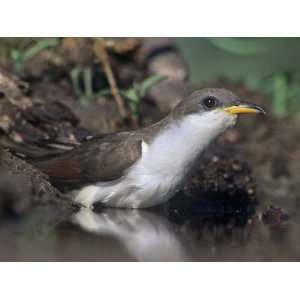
{"x": 214, "y": 232}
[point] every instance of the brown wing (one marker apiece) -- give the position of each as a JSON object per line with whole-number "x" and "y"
{"x": 98, "y": 160}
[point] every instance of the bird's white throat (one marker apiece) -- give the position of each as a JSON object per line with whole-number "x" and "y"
{"x": 182, "y": 141}
{"x": 164, "y": 163}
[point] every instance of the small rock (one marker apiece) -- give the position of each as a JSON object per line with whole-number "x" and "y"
{"x": 274, "y": 216}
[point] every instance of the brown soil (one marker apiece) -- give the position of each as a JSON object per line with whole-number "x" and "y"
{"x": 271, "y": 148}
{"x": 42, "y": 116}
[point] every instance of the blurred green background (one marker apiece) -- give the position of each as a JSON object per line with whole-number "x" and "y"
{"x": 249, "y": 59}
{"x": 270, "y": 65}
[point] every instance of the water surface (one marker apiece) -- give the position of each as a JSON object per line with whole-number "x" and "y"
{"x": 214, "y": 232}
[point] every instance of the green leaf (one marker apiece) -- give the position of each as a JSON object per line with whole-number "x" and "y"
{"x": 241, "y": 46}
{"x": 88, "y": 84}
{"x": 148, "y": 83}
{"x": 104, "y": 92}
{"x": 39, "y": 46}
{"x": 132, "y": 95}
{"x": 280, "y": 90}
{"x": 18, "y": 60}
{"x": 20, "y": 57}
{"x": 75, "y": 78}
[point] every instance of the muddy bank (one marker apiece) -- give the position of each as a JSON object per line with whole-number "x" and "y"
{"x": 22, "y": 186}
{"x": 271, "y": 147}
{"x": 48, "y": 112}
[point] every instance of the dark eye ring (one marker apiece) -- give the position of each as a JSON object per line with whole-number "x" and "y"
{"x": 210, "y": 102}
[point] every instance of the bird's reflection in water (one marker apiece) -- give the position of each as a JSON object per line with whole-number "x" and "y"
{"x": 145, "y": 235}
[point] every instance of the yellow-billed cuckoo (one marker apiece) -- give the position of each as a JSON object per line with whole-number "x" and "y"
{"x": 146, "y": 167}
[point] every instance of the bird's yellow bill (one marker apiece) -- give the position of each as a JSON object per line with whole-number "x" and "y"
{"x": 244, "y": 109}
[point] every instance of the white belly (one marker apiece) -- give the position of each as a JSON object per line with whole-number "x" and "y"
{"x": 145, "y": 191}
{"x": 164, "y": 165}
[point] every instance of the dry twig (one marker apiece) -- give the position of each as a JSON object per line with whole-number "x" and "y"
{"x": 101, "y": 53}
{"x": 123, "y": 45}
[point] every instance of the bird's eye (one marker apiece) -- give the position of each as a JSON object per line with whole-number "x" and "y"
{"x": 210, "y": 102}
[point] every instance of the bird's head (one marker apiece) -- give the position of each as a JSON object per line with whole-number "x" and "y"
{"x": 217, "y": 108}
